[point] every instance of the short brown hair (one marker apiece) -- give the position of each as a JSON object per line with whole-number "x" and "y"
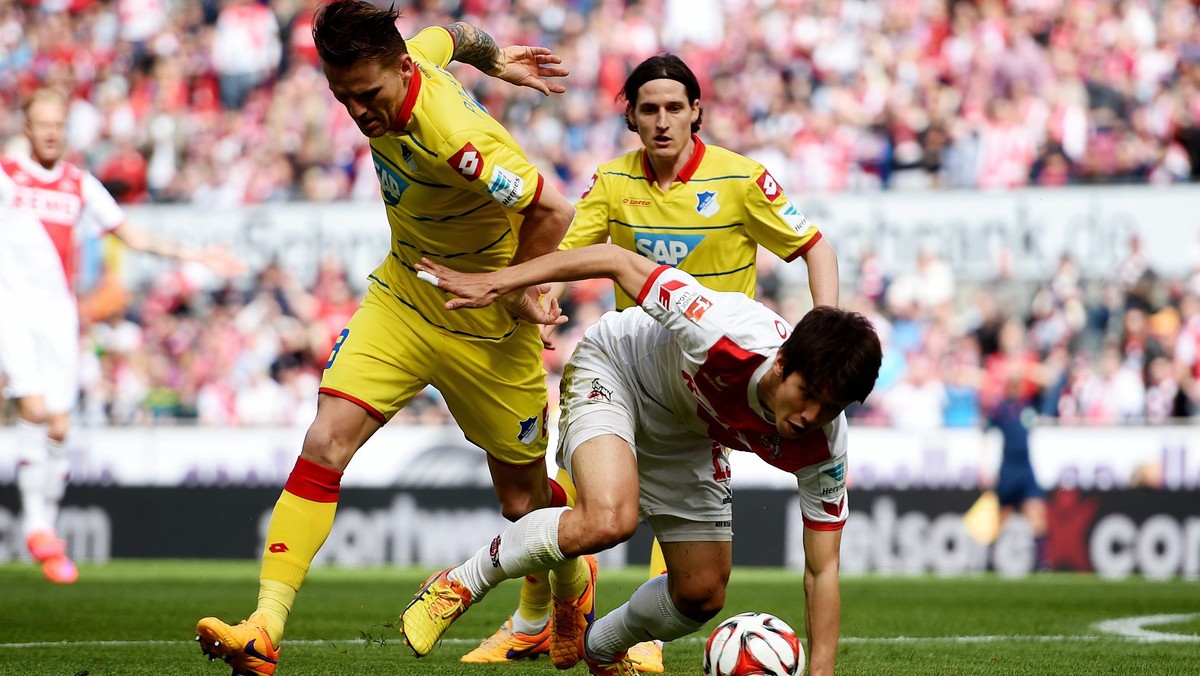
{"x": 349, "y": 31}
{"x": 836, "y": 351}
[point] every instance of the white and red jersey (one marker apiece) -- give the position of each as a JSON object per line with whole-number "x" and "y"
{"x": 67, "y": 202}
{"x": 698, "y": 356}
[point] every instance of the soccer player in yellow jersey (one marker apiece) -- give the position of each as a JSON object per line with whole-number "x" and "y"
{"x": 457, "y": 188}
{"x": 697, "y": 207}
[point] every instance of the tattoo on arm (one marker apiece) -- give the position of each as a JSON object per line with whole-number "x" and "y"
{"x": 474, "y": 47}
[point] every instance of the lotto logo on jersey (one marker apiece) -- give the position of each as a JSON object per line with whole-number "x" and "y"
{"x": 591, "y": 184}
{"x": 665, "y": 249}
{"x": 792, "y": 216}
{"x": 468, "y": 162}
{"x": 769, "y": 186}
{"x": 506, "y": 187}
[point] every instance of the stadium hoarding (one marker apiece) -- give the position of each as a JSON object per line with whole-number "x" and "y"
{"x": 1110, "y": 533}
{"x": 1019, "y": 234}
{"x": 1088, "y": 458}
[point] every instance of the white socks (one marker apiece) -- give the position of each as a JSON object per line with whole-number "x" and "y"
{"x": 528, "y": 546}
{"x": 649, "y": 614}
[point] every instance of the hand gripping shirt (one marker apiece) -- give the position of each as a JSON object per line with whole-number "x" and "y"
{"x": 709, "y": 223}
{"x": 697, "y": 356}
{"x": 454, "y": 183}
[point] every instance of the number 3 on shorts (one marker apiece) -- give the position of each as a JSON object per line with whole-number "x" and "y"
{"x": 341, "y": 339}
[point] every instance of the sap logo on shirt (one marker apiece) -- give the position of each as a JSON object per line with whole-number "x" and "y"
{"x": 666, "y": 249}
{"x": 391, "y": 184}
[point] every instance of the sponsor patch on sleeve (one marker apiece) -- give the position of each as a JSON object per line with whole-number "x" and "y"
{"x": 832, "y": 481}
{"x": 769, "y": 186}
{"x": 506, "y": 187}
{"x": 676, "y": 296}
{"x": 792, "y": 216}
{"x": 468, "y": 162}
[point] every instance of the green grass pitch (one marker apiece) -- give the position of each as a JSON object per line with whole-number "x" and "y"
{"x": 138, "y": 617}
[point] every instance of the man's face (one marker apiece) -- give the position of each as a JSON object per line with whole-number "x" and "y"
{"x": 799, "y": 410}
{"x": 663, "y": 117}
{"x": 371, "y": 92}
{"x": 46, "y": 127}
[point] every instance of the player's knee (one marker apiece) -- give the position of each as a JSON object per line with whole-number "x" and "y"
{"x": 607, "y": 528}
{"x": 699, "y": 597}
{"x": 326, "y": 449}
{"x": 513, "y": 507}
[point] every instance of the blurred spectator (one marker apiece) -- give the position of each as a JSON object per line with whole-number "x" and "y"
{"x": 246, "y": 49}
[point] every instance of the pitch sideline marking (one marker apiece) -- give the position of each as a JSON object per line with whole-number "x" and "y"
{"x": 1134, "y": 628}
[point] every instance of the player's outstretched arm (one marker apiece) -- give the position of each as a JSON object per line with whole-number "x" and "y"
{"x": 521, "y": 65}
{"x": 216, "y": 257}
{"x": 629, "y": 270}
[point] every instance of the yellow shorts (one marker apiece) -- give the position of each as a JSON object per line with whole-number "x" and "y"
{"x": 496, "y": 390}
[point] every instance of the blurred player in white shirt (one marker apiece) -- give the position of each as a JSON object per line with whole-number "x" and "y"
{"x": 46, "y": 206}
{"x": 651, "y": 399}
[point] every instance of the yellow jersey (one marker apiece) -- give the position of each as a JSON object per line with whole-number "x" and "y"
{"x": 709, "y": 223}
{"x": 455, "y": 184}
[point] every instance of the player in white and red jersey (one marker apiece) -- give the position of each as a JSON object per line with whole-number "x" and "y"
{"x": 46, "y": 206}
{"x": 649, "y": 399}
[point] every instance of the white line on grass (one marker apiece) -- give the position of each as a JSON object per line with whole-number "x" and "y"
{"x": 1134, "y": 628}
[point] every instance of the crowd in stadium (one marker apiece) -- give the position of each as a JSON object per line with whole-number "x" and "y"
{"x": 223, "y": 103}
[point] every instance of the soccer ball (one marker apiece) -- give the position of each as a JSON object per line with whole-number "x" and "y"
{"x": 753, "y": 644}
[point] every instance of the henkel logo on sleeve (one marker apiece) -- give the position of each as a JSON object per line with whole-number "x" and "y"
{"x": 468, "y": 162}
{"x": 769, "y": 186}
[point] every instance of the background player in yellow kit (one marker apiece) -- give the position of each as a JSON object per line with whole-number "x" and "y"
{"x": 456, "y": 187}
{"x": 700, "y": 208}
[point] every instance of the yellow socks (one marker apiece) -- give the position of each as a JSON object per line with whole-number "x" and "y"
{"x": 302, "y": 519}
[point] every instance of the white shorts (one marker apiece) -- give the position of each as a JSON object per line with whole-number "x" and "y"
{"x": 39, "y": 350}
{"x": 684, "y": 492}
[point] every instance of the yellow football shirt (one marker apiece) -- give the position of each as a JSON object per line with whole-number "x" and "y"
{"x": 455, "y": 183}
{"x": 709, "y": 223}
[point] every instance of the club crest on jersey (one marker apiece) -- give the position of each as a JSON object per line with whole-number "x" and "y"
{"x": 665, "y": 249}
{"x": 599, "y": 392}
{"x": 769, "y": 186}
{"x": 468, "y": 162}
{"x": 706, "y": 203}
{"x": 506, "y": 187}
{"x": 529, "y": 430}
{"x": 409, "y": 160}
{"x": 675, "y": 295}
{"x": 792, "y": 216}
{"x": 391, "y": 184}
